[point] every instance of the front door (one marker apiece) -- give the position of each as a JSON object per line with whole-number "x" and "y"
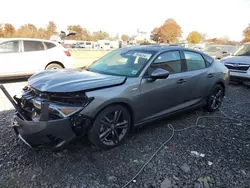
{"x": 160, "y": 95}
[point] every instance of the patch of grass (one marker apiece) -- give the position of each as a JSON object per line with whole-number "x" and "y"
{"x": 88, "y": 54}
{"x": 84, "y": 58}
{"x": 82, "y": 62}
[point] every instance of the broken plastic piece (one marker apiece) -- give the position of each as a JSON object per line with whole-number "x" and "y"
{"x": 195, "y": 153}
{"x": 210, "y": 163}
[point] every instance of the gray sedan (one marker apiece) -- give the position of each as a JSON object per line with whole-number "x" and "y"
{"x": 126, "y": 88}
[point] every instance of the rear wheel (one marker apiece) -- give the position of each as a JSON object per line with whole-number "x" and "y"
{"x": 110, "y": 127}
{"x": 215, "y": 98}
{"x": 54, "y": 66}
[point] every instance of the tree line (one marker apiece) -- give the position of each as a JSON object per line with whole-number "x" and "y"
{"x": 169, "y": 32}
{"x": 31, "y": 31}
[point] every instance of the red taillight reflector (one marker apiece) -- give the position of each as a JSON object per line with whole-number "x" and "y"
{"x": 67, "y": 53}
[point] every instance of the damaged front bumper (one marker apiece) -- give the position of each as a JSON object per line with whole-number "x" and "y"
{"x": 40, "y": 122}
{"x": 55, "y": 133}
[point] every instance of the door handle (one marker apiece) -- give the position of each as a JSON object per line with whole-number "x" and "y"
{"x": 181, "y": 81}
{"x": 210, "y": 75}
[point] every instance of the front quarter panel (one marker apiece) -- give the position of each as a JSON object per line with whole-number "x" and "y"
{"x": 127, "y": 93}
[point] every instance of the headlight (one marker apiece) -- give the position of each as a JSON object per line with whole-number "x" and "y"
{"x": 60, "y": 110}
{"x": 248, "y": 72}
{"x": 67, "y": 111}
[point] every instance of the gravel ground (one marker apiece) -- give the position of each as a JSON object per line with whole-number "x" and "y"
{"x": 224, "y": 142}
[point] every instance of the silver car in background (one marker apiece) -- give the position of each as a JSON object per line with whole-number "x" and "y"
{"x": 219, "y": 51}
{"x": 239, "y": 63}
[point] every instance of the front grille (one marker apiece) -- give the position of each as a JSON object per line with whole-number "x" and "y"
{"x": 237, "y": 66}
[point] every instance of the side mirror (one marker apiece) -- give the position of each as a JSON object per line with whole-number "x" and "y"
{"x": 159, "y": 73}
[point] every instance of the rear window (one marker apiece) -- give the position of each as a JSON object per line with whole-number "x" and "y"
{"x": 88, "y": 43}
{"x": 30, "y": 46}
{"x": 49, "y": 45}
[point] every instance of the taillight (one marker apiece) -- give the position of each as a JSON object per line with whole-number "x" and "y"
{"x": 67, "y": 53}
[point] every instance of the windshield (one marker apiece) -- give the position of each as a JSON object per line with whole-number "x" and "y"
{"x": 212, "y": 49}
{"x": 243, "y": 50}
{"x": 122, "y": 62}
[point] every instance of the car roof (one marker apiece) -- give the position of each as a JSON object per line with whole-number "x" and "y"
{"x": 159, "y": 48}
{"x": 153, "y": 47}
{"x": 30, "y": 39}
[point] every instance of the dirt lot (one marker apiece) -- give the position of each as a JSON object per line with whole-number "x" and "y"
{"x": 224, "y": 142}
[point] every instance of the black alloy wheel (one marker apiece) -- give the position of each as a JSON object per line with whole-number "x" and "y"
{"x": 110, "y": 127}
{"x": 215, "y": 98}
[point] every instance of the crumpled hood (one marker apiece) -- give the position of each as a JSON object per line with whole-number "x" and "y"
{"x": 236, "y": 59}
{"x": 65, "y": 80}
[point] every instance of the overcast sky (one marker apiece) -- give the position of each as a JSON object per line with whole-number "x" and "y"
{"x": 216, "y": 18}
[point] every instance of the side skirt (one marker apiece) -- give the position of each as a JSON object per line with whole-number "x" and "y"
{"x": 164, "y": 116}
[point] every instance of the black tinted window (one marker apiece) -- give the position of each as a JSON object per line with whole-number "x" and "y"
{"x": 30, "y": 46}
{"x": 194, "y": 61}
{"x": 170, "y": 61}
{"x": 9, "y": 47}
{"x": 49, "y": 45}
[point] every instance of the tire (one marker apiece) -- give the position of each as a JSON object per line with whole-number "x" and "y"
{"x": 215, "y": 98}
{"x": 107, "y": 131}
{"x": 53, "y": 66}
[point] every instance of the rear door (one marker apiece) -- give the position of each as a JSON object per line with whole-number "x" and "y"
{"x": 33, "y": 56}
{"x": 10, "y": 58}
{"x": 199, "y": 77}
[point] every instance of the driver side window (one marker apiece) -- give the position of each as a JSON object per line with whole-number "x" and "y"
{"x": 170, "y": 61}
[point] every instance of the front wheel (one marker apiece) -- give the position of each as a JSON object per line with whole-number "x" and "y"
{"x": 110, "y": 127}
{"x": 215, "y": 98}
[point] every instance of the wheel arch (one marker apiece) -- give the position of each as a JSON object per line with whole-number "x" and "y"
{"x": 54, "y": 62}
{"x": 222, "y": 84}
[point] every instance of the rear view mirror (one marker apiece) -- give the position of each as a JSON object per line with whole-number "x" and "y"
{"x": 159, "y": 73}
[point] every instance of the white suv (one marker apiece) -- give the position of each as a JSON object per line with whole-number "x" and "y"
{"x": 26, "y": 56}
